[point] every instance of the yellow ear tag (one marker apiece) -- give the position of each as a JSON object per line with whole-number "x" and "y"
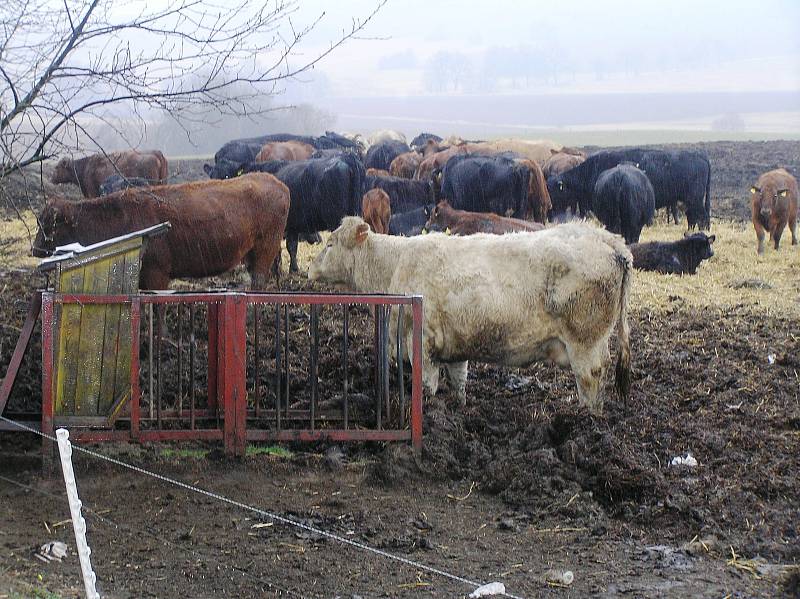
{"x": 752, "y": 190}
{"x": 783, "y": 193}
{"x": 241, "y": 171}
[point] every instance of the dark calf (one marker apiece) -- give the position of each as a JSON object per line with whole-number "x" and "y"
{"x": 675, "y": 257}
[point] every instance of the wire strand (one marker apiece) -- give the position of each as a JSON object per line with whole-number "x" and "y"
{"x": 264, "y": 513}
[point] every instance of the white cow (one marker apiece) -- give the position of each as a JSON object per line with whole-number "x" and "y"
{"x": 506, "y": 299}
{"x": 385, "y": 135}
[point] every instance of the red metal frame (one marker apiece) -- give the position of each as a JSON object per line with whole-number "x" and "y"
{"x": 227, "y": 371}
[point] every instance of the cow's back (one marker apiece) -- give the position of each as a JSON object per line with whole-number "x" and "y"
{"x": 563, "y": 280}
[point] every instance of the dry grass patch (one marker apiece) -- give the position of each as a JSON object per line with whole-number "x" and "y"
{"x": 16, "y": 237}
{"x": 734, "y": 277}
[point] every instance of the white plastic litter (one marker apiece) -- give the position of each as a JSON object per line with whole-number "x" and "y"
{"x": 771, "y": 358}
{"x": 564, "y": 577}
{"x": 52, "y": 551}
{"x": 487, "y": 590}
{"x": 689, "y": 461}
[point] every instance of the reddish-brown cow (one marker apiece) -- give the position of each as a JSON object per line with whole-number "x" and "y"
{"x": 539, "y": 204}
{"x": 437, "y": 161}
{"x": 216, "y": 225}
{"x": 89, "y": 172}
{"x": 405, "y": 165}
{"x": 376, "y": 210}
{"x": 285, "y": 150}
{"x": 461, "y": 222}
{"x": 774, "y": 204}
{"x": 377, "y": 172}
{"x": 561, "y": 162}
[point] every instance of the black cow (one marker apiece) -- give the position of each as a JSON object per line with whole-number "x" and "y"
{"x": 624, "y": 201}
{"x": 411, "y": 223}
{"x": 675, "y": 257}
{"x": 230, "y": 159}
{"x": 322, "y": 191}
{"x": 683, "y": 176}
{"x": 382, "y": 153}
{"x": 420, "y": 141}
{"x": 116, "y": 183}
{"x": 404, "y": 194}
{"x": 486, "y": 184}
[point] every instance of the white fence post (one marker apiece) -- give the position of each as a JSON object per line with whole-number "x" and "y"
{"x": 78, "y": 523}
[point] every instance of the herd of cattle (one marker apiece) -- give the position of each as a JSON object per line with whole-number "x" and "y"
{"x": 570, "y": 282}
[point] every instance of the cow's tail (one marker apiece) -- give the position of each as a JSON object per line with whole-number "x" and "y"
{"x": 542, "y": 203}
{"x": 623, "y": 370}
{"x": 708, "y": 196}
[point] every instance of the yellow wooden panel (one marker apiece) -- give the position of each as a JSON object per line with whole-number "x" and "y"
{"x": 69, "y": 334}
{"x": 90, "y": 347}
{"x": 113, "y": 367}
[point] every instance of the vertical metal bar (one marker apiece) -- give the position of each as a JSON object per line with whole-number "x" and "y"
{"x": 179, "y": 310}
{"x": 345, "y": 335}
{"x": 286, "y": 357}
{"x": 232, "y": 375}
{"x": 192, "y": 350}
{"x": 377, "y": 353}
{"x": 314, "y": 357}
{"x": 416, "y": 374}
{"x": 136, "y": 392}
{"x": 151, "y": 395}
{"x": 213, "y": 317}
{"x": 401, "y": 387}
{"x": 387, "y": 313}
{"x": 278, "y": 366}
{"x": 257, "y": 388}
{"x": 48, "y": 378}
{"x": 159, "y": 314}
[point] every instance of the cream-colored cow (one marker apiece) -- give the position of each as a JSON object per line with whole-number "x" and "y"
{"x": 505, "y": 299}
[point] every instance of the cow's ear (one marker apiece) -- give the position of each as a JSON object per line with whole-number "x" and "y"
{"x": 362, "y": 231}
{"x": 712, "y": 238}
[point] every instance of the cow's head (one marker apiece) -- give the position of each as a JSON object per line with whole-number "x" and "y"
{"x": 56, "y": 227}
{"x": 766, "y": 197}
{"x": 223, "y": 169}
{"x": 336, "y": 263}
{"x": 700, "y": 245}
{"x": 64, "y": 172}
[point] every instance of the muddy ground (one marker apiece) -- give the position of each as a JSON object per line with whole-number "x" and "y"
{"x": 520, "y": 481}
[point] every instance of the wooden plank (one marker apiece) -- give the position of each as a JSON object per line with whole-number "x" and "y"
{"x": 69, "y": 335}
{"x": 90, "y": 347}
{"x": 111, "y": 369}
{"x": 129, "y": 281}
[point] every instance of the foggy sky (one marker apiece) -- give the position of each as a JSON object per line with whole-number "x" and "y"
{"x": 592, "y": 45}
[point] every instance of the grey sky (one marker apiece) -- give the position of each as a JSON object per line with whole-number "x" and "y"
{"x": 678, "y": 45}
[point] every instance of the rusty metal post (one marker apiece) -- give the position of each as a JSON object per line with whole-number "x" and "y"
{"x": 136, "y": 392}
{"x": 416, "y": 374}
{"x": 232, "y": 374}
{"x": 48, "y": 380}
{"x": 213, "y": 333}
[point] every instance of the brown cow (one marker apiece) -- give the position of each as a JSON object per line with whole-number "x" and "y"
{"x": 539, "y": 204}
{"x": 561, "y": 162}
{"x": 461, "y": 222}
{"x": 90, "y": 171}
{"x": 376, "y": 210}
{"x": 377, "y": 172}
{"x": 285, "y": 150}
{"x": 774, "y": 203}
{"x": 216, "y": 225}
{"x": 405, "y": 165}
{"x": 437, "y": 161}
